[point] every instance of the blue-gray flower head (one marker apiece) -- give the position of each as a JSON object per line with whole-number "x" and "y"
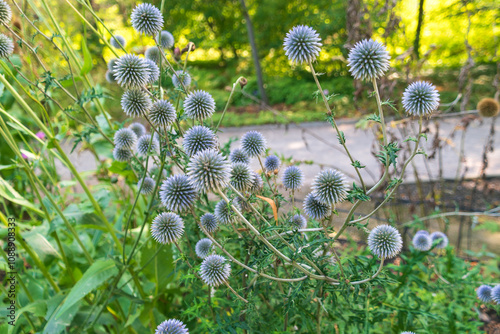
{"x": 443, "y": 239}
{"x": 208, "y": 170}
{"x": 5, "y": 12}
{"x": 136, "y": 102}
{"x": 172, "y": 326}
{"x": 122, "y": 154}
{"x": 131, "y": 71}
{"x": 125, "y": 138}
{"x": 238, "y": 155}
{"x": 253, "y": 143}
{"x": 203, "y": 247}
{"x": 215, "y": 270}
{"x": 292, "y": 178}
{"x": 138, "y": 129}
{"x": 148, "y": 185}
{"x": 181, "y": 76}
{"x": 495, "y": 294}
{"x": 241, "y": 176}
{"x": 407, "y": 332}
{"x": 110, "y": 77}
{"x": 199, "y": 105}
{"x": 147, "y": 146}
{"x": 147, "y": 19}
{"x": 199, "y": 138}
{"x": 298, "y": 222}
{"x": 420, "y": 98}
{"x": 154, "y": 71}
{"x": 111, "y": 64}
{"x": 315, "y": 209}
{"x": 422, "y": 232}
{"x": 166, "y": 39}
{"x": 385, "y": 241}
{"x": 209, "y": 222}
{"x": 153, "y": 54}
{"x": 272, "y": 163}
{"x": 6, "y": 46}
{"x": 162, "y": 113}
{"x": 484, "y": 293}
{"x": 302, "y": 44}
{"x": 167, "y": 227}
{"x": 224, "y": 214}
{"x": 368, "y": 60}
{"x": 117, "y": 41}
{"x": 329, "y": 187}
{"x": 422, "y": 242}
{"x": 257, "y": 183}
{"x": 177, "y": 193}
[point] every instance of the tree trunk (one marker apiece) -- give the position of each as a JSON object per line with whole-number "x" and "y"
{"x": 416, "y": 43}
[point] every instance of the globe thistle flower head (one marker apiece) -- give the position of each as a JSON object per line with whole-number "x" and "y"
{"x": 422, "y": 242}
{"x": 257, "y": 183}
{"x": 6, "y": 46}
{"x": 162, "y": 113}
{"x": 298, "y": 222}
{"x": 197, "y": 139}
{"x": 385, "y": 241}
{"x": 131, "y": 71}
{"x": 422, "y": 232}
{"x": 224, "y": 212}
{"x": 209, "y": 222}
{"x": 315, "y": 209}
{"x": 215, "y": 270}
{"x": 122, "y": 154}
{"x": 368, "y": 60}
{"x": 272, "y": 163}
{"x": 167, "y": 227}
{"x": 420, "y": 98}
{"x": 330, "y": 187}
{"x": 147, "y": 19}
{"x": 153, "y": 54}
{"x": 208, "y": 171}
{"x": 110, "y": 77}
{"x": 292, "y": 178}
{"x": 495, "y": 294}
{"x": 253, "y": 143}
{"x": 199, "y": 105}
{"x": 302, "y": 44}
{"x": 117, "y": 41}
{"x": 165, "y": 39}
{"x": 177, "y": 193}
{"x": 241, "y": 176}
{"x": 407, "y": 332}
{"x": 111, "y": 64}
{"x": 484, "y": 293}
{"x": 125, "y": 138}
{"x": 237, "y": 155}
{"x": 138, "y": 129}
{"x": 5, "y": 13}
{"x": 443, "y": 239}
{"x": 148, "y": 185}
{"x": 488, "y": 107}
{"x": 203, "y": 247}
{"x": 171, "y": 326}
{"x": 154, "y": 71}
{"x": 181, "y": 76}
{"x": 147, "y": 145}
{"x": 136, "y": 103}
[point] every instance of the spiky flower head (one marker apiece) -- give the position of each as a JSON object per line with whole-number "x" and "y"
{"x": 368, "y": 60}
{"x": 488, "y": 107}
{"x": 162, "y": 113}
{"x": 420, "y": 98}
{"x": 209, "y": 170}
{"x": 214, "y": 270}
{"x": 181, "y": 76}
{"x": 315, "y": 209}
{"x": 298, "y": 221}
{"x": 153, "y": 54}
{"x": 122, "y": 154}
{"x": 224, "y": 213}
{"x": 117, "y": 41}
{"x": 147, "y": 19}
{"x": 136, "y": 102}
{"x": 177, "y": 193}
{"x": 199, "y": 105}
{"x": 484, "y": 293}
{"x": 302, "y": 44}
{"x": 209, "y": 222}
{"x": 172, "y": 326}
{"x": 330, "y": 187}
{"x": 167, "y": 227}
{"x": 147, "y": 145}
{"x": 253, "y": 143}
{"x": 138, "y": 129}
{"x": 272, "y": 163}
{"x": 495, "y": 294}
{"x": 422, "y": 242}
{"x": 131, "y": 71}
{"x": 111, "y": 64}
{"x": 257, "y": 183}
{"x": 154, "y": 71}
{"x": 125, "y": 138}
{"x": 5, "y": 12}
{"x": 165, "y": 39}
{"x": 148, "y": 185}
{"x": 385, "y": 241}
{"x": 422, "y": 232}
{"x": 110, "y": 77}
{"x": 203, "y": 247}
{"x": 238, "y": 155}
{"x": 6, "y": 46}
{"x": 292, "y": 178}
{"x": 443, "y": 239}
{"x": 197, "y": 139}
{"x": 241, "y": 176}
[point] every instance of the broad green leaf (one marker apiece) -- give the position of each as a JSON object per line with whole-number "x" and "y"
{"x": 57, "y": 322}
{"x": 87, "y": 58}
{"x": 38, "y": 308}
{"x": 10, "y": 194}
{"x": 161, "y": 268}
{"x": 41, "y": 245}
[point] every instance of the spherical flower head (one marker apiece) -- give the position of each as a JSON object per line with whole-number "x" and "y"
{"x": 146, "y": 145}
{"x": 420, "y": 98}
{"x": 136, "y": 103}
{"x": 111, "y": 64}
{"x": 488, "y": 107}
{"x": 171, "y": 326}
{"x": 422, "y": 242}
{"x": 167, "y": 227}
{"x": 253, "y": 143}
{"x": 147, "y": 19}
{"x": 197, "y": 139}
{"x": 5, "y": 12}
{"x": 257, "y": 183}
{"x": 214, "y": 270}
{"x": 302, "y": 44}
{"x": 368, "y": 60}
{"x": 203, "y": 247}
{"x": 422, "y": 232}
{"x": 162, "y": 113}
{"x": 131, "y": 71}
{"x": 315, "y": 209}
{"x": 292, "y": 178}
{"x": 181, "y": 76}
{"x": 125, "y": 138}
{"x": 238, "y": 155}
{"x": 138, "y": 129}
{"x": 298, "y": 222}
{"x": 122, "y": 154}
{"x": 385, "y": 241}
{"x": 177, "y": 193}
{"x": 154, "y": 71}
{"x": 272, "y": 163}
{"x": 495, "y": 294}
{"x": 443, "y": 239}
{"x": 199, "y": 105}
{"x": 110, "y": 77}
{"x": 117, "y": 41}
{"x": 165, "y": 39}
{"x": 484, "y": 293}
{"x": 148, "y": 185}
{"x": 329, "y": 187}
{"x": 6, "y": 46}
{"x": 407, "y": 332}
{"x": 241, "y": 176}
{"x": 224, "y": 213}
{"x": 208, "y": 171}
{"x": 209, "y": 222}
{"x": 153, "y": 54}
